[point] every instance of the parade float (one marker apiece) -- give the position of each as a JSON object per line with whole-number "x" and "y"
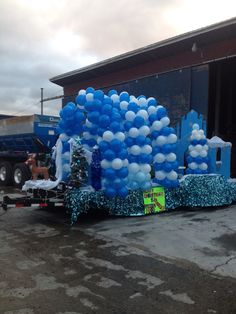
{"x": 118, "y": 153}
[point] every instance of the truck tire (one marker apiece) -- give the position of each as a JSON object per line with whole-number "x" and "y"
{"x": 21, "y": 173}
{"x": 5, "y": 173}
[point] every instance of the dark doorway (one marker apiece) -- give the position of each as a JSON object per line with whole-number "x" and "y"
{"x": 222, "y": 104}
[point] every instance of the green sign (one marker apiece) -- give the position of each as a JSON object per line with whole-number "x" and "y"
{"x": 154, "y": 200}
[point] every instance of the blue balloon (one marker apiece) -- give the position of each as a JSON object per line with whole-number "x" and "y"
{"x": 123, "y": 192}
{"x": 140, "y": 140}
{"x": 100, "y": 131}
{"x": 116, "y": 145}
{"x": 98, "y": 94}
{"x": 123, "y": 154}
{"x": 92, "y": 142}
{"x": 94, "y": 117}
{"x": 103, "y": 145}
{"x": 97, "y": 105}
{"x": 110, "y": 192}
{"x": 133, "y": 185}
{"x": 189, "y": 171}
{"x": 115, "y": 126}
{"x": 107, "y": 109}
{"x": 166, "y": 148}
{"x": 104, "y": 121}
{"x": 161, "y": 113}
{"x": 116, "y": 105}
{"x": 198, "y": 160}
{"x": 132, "y": 158}
{"x": 115, "y": 116}
{"x": 122, "y": 173}
{"x": 117, "y": 183}
{"x": 189, "y": 159}
{"x": 89, "y": 90}
{"x": 109, "y": 154}
{"x": 167, "y": 166}
{"x": 157, "y": 166}
{"x": 107, "y": 101}
{"x": 203, "y": 141}
{"x": 194, "y": 142}
{"x": 112, "y": 92}
{"x": 141, "y": 96}
{"x": 129, "y": 141}
{"x": 109, "y": 173}
{"x": 156, "y": 150}
{"x": 133, "y": 107}
{"x": 88, "y": 105}
{"x": 165, "y": 131}
{"x": 124, "y": 96}
{"x": 152, "y": 102}
{"x": 80, "y": 100}
{"x": 174, "y": 164}
{"x": 138, "y": 121}
{"x": 122, "y": 113}
{"x": 152, "y": 117}
{"x": 144, "y": 158}
{"x": 128, "y": 125}
{"x": 148, "y": 141}
{"x": 155, "y": 134}
{"x": 79, "y": 116}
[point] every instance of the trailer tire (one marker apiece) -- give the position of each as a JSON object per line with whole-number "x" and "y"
{"x": 5, "y": 173}
{"x": 21, "y": 173}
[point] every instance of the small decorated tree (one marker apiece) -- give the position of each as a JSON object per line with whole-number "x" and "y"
{"x": 79, "y": 167}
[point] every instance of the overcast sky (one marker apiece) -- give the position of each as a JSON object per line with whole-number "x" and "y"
{"x": 40, "y": 39}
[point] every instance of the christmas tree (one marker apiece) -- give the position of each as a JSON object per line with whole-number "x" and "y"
{"x": 79, "y": 167}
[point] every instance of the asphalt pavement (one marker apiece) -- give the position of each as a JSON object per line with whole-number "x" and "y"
{"x": 177, "y": 262}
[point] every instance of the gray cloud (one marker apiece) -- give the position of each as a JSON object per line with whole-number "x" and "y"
{"x": 41, "y": 39}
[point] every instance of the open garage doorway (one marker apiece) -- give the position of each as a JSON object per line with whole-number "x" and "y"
{"x": 222, "y": 104}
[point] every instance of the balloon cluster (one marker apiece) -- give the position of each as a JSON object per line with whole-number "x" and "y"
{"x": 130, "y": 132}
{"x": 136, "y": 125}
{"x": 72, "y": 119}
{"x": 65, "y": 156}
{"x": 164, "y": 146}
{"x": 197, "y": 158}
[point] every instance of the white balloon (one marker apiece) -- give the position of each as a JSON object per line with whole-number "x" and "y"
{"x": 117, "y": 163}
{"x": 203, "y": 153}
{"x": 160, "y": 175}
{"x": 203, "y": 166}
{"x": 133, "y": 132}
{"x": 99, "y": 139}
{"x": 198, "y": 137}
{"x": 87, "y": 135}
{"x": 159, "y": 158}
{"x": 191, "y": 147}
{"x": 152, "y": 110}
{"x": 89, "y": 97}
{"x": 157, "y": 125}
{"x": 201, "y": 132}
{"x": 194, "y": 153}
{"x": 142, "y": 102}
{"x": 133, "y": 99}
{"x": 171, "y": 139}
{"x": 88, "y": 123}
{"x": 135, "y": 150}
{"x": 82, "y": 92}
{"x": 133, "y": 167}
{"x": 159, "y": 106}
{"x": 144, "y": 130}
{"x": 171, "y": 157}
{"x": 63, "y": 137}
{"x": 205, "y": 147}
{"x": 108, "y": 136}
{"x": 143, "y": 113}
{"x": 193, "y": 165}
{"x": 172, "y": 175}
{"x": 146, "y": 149}
{"x": 194, "y": 133}
{"x": 199, "y": 148}
{"x": 105, "y": 164}
{"x": 161, "y": 140}
{"x": 130, "y": 115}
{"x": 125, "y": 163}
{"x": 140, "y": 177}
{"x": 115, "y": 98}
{"x": 146, "y": 168}
{"x": 195, "y": 126}
{"x": 165, "y": 121}
{"x": 120, "y": 136}
{"x": 148, "y": 176}
{"x": 124, "y": 105}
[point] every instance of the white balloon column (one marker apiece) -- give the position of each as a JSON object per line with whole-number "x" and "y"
{"x": 130, "y": 132}
{"x": 197, "y": 158}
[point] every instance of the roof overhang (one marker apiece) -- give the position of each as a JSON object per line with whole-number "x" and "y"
{"x": 203, "y": 37}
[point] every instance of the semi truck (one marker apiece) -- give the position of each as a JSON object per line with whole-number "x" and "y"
{"x": 20, "y": 136}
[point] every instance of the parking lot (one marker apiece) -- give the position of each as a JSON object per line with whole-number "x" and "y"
{"x": 176, "y": 262}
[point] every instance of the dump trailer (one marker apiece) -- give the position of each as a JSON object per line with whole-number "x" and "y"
{"x": 20, "y": 136}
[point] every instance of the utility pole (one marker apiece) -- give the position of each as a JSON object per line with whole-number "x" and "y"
{"x": 41, "y": 101}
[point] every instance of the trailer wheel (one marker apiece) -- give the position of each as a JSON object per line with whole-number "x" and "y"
{"x": 5, "y": 173}
{"x": 21, "y": 173}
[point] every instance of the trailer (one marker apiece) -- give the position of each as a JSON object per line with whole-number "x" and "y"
{"x": 20, "y": 136}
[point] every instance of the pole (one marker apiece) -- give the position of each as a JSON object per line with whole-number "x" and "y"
{"x": 41, "y": 101}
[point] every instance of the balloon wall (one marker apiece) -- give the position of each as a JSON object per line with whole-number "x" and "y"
{"x": 132, "y": 134}
{"x": 197, "y": 158}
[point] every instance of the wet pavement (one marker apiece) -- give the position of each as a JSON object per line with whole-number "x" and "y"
{"x": 179, "y": 262}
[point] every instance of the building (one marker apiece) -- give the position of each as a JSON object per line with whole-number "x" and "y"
{"x": 196, "y": 70}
